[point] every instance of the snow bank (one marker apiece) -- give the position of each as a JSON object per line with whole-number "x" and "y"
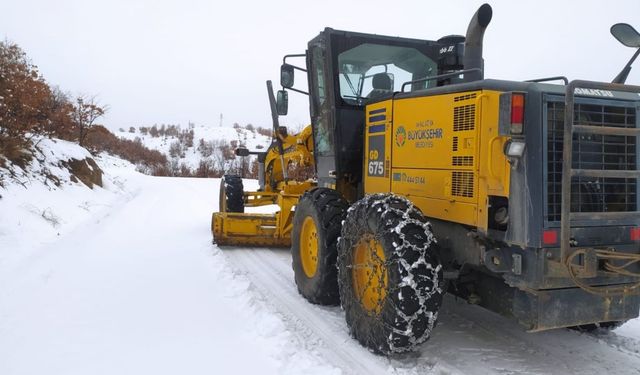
{"x": 60, "y": 150}
{"x": 41, "y": 204}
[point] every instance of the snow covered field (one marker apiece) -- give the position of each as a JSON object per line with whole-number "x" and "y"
{"x": 128, "y": 282}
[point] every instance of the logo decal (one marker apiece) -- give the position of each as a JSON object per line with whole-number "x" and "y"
{"x": 401, "y": 136}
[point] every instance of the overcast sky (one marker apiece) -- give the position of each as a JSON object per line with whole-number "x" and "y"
{"x": 170, "y": 61}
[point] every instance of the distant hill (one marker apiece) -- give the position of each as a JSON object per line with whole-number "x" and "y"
{"x": 202, "y": 151}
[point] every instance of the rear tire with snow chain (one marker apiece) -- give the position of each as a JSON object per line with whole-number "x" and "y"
{"x": 316, "y": 228}
{"x": 231, "y": 194}
{"x": 389, "y": 276}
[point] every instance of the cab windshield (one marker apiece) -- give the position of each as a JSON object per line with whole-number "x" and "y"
{"x": 370, "y": 71}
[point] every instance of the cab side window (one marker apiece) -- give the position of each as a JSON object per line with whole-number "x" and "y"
{"x": 323, "y": 135}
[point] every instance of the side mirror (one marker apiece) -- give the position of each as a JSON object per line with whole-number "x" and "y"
{"x": 286, "y": 76}
{"x": 626, "y": 34}
{"x": 242, "y": 151}
{"x": 282, "y": 102}
{"x": 629, "y": 37}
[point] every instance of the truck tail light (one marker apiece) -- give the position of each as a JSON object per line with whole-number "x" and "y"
{"x": 517, "y": 113}
{"x": 550, "y": 237}
{"x": 635, "y": 234}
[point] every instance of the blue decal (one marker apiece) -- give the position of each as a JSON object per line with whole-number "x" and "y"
{"x": 376, "y": 128}
{"x": 377, "y": 118}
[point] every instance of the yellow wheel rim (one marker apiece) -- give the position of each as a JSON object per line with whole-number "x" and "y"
{"x": 369, "y": 274}
{"x": 309, "y": 247}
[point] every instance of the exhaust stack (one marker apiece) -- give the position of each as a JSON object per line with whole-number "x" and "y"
{"x": 473, "y": 43}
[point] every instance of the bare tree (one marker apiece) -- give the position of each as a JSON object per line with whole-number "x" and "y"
{"x": 175, "y": 150}
{"x": 86, "y": 114}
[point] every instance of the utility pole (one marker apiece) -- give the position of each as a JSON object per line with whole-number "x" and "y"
{"x": 221, "y": 119}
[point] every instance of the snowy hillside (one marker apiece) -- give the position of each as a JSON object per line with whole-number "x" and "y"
{"x": 48, "y": 198}
{"x": 191, "y": 146}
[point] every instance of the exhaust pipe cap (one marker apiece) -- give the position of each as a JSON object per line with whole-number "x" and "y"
{"x": 473, "y": 43}
{"x": 484, "y": 15}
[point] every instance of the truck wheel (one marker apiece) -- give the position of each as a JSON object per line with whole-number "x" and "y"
{"x": 231, "y": 194}
{"x": 391, "y": 282}
{"x": 316, "y": 228}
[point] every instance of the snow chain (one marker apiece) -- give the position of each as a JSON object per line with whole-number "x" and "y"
{"x": 399, "y": 260}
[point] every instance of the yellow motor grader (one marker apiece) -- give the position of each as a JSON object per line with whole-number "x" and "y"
{"x": 521, "y": 197}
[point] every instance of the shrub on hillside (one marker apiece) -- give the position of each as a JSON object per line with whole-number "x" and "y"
{"x": 175, "y": 150}
{"x": 25, "y": 102}
{"x": 30, "y": 107}
{"x": 149, "y": 161}
{"x": 264, "y": 131}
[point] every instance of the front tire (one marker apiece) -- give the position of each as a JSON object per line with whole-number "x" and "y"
{"x": 231, "y": 194}
{"x": 391, "y": 282}
{"x": 316, "y": 227}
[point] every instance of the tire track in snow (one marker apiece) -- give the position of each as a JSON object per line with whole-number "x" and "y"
{"x": 322, "y": 327}
{"x": 468, "y": 338}
{"x": 488, "y": 339}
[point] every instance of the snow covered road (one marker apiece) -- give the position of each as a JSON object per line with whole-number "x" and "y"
{"x": 468, "y": 339}
{"x": 139, "y": 289}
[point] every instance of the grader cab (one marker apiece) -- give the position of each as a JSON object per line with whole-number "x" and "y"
{"x": 521, "y": 197}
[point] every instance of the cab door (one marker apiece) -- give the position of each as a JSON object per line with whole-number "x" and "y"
{"x": 320, "y": 103}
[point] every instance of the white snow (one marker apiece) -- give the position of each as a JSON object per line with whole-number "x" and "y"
{"x": 630, "y": 329}
{"x": 128, "y": 282}
{"x": 35, "y": 212}
{"x": 124, "y": 280}
{"x": 58, "y": 149}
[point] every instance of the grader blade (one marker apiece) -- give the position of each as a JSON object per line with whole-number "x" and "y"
{"x": 243, "y": 229}
{"x": 259, "y": 229}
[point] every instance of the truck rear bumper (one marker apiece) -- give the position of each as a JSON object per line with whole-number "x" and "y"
{"x": 546, "y": 309}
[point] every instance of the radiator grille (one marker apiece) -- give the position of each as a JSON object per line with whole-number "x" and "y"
{"x": 464, "y": 117}
{"x": 462, "y": 161}
{"x": 454, "y": 146}
{"x": 462, "y": 184}
{"x": 601, "y": 152}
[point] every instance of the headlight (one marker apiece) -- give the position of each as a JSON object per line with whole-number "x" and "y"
{"x": 514, "y": 148}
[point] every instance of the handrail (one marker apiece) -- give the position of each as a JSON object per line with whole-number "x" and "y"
{"x": 556, "y": 78}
